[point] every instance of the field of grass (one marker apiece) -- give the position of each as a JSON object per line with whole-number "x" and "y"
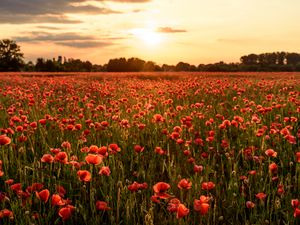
{"x": 149, "y": 148}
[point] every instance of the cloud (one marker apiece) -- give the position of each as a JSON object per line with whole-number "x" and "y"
{"x": 48, "y": 28}
{"x": 37, "y": 19}
{"x": 46, "y": 11}
{"x": 130, "y": 1}
{"x": 45, "y": 36}
{"x": 68, "y": 39}
{"x": 170, "y": 30}
{"x": 85, "y": 44}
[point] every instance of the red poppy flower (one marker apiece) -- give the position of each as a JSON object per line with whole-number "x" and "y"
{"x": 160, "y": 190}
{"x": 271, "y": 153}
{"x": 93, "y": 159}
{"x": 273, "y": 168}
{"x": 250, "y": 205}
{"x": 78, "y": 126}
{"x": 66, "y": 212}
{"x": 198, "y": 169}
{"x": 61, "y": 190}
{"x": 138, "y": 148}
{"x": 297, "y": 213}
{"x": 84, "y": 175}
{"x": 93, "y": 149}
{"x": 134, "y": 187}
{"x": 66, "y": 145}
{"x": 43, "y": 195}
{"x": 182, "y": 211}
{"x": 208, "y": 186}
{"x": 102, "y": 206}
{"x": 47, "y": 158}
{"x": 158, "y": 118}
{"x": 56, "y": 200}
{"x": 184, "y": 184}
{"x": 160, "y": 151}
{"x": 261, "y": 196}
{"x": 105, "y": 171}
{"x": 298, "y": 157}
{"x": 161, "y": 187}
{"x": 173, "y": 205}
{"x": 102, "y": 150}
{"x": 61, "y": 157}
{"x": 6, "y": 213}
{"x": 9, "y": 181}
{"x": 295, "y": 203}
{"x": 201, "y": 207}
{"x": 4, "y": 140}
{"x": 114, "y": 148}
{"x": 16, "y": 187}
{"x": 35, "y": 187}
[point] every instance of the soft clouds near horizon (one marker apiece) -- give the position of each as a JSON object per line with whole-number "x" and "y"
{"x": 195, "y": 31}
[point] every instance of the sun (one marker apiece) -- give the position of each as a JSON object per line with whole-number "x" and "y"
{"x": 149, "y": 36}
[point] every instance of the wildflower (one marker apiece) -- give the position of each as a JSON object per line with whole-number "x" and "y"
{"x": 6, "y": 213}
{"x": 61, "y": 157}
{"x": 273, "y": 168}
{"x": 43, "y": 195}
{"x": 102, "y": 206}
{"x": 295, "y": 203}
{"x": 202, "y": 205}
{"x": 298, "y": 157}
{"x": 182, "y": 211}
{"x": 102, "y": 150}
{"x": 4, "y": 140}
{"x": 297, "y": 213}
{"x": 138, "y": 148}
{"x": 47, "y": 158}
{"x": 250, "y": 205}
{"x": 56, "y": 200}
{"x": 114, "y": 148}
{"x": 66, "y": 212}
{"x": 157, "y": 118}
{"x": 105, "y": 171}
{"x": 93, "y": 149}
{"x": 271, "y": 153}
{"x": 66, "y": 145}
{"x": 198, "y": 169}
{"x": 261, "y": 196}
{"x": 184, "y": 184}
{"x": 84, "y": 175}
{"x": 208, "y": 186}
{"x": 173, "y": 205}
{"x": 61, "y": 190}
{"x": 93, "y": 159}
{"x": 160, "y": 190}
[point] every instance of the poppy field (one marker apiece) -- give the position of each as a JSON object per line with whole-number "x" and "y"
{"x": 190, "y": 149}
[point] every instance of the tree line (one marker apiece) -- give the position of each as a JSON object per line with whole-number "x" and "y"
{"x": 12, "y": 59}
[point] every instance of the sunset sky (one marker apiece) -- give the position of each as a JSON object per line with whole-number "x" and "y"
{"x": 164, "y": 31}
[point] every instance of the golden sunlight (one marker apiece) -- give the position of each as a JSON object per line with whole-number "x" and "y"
{"x": 149, "y": 36}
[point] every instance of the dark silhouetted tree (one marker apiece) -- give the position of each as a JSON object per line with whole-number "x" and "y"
{"x": 182, "y": 66}
{"x": 251, "y": 59}
{"x": 292, "y": 58}
{"x": 11, "y": 58}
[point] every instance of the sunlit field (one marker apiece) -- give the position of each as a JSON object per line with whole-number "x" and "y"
{"x": 149, "y": 148}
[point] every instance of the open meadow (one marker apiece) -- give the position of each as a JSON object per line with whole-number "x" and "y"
{"x": 158, "y": 148}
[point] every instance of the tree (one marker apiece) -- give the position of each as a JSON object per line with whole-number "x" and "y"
{"x": 292, "y": 58}
{"x": 11, "y": 58}
{"x": 182, "y": 66}
{"x": 249, "y": 59}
